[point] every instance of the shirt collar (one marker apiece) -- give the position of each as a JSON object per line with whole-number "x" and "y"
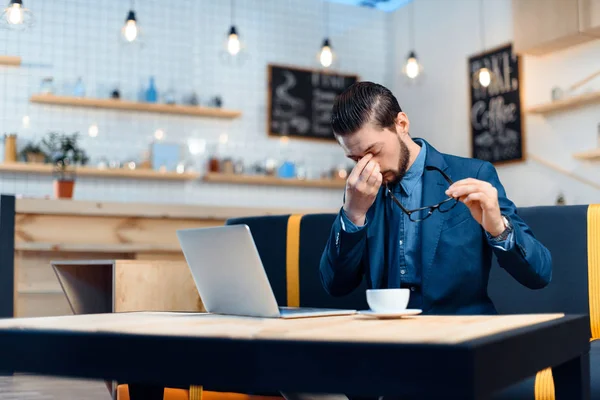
{"x": 415, "y": 172}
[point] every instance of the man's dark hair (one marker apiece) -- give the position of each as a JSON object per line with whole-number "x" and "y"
{"x": 361, "y": 103}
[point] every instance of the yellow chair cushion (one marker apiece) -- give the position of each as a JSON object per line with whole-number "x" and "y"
{"x": 183, "y": 394}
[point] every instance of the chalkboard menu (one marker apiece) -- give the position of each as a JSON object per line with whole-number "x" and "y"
{"x": 300, "y": 101}
{"x": 495, "y": 111}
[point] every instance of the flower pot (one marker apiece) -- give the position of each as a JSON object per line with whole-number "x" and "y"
{"x": 63, "y": 189}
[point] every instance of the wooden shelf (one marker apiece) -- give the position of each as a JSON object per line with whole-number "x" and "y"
{"x": 117, "y": 104}
{"x": 273, "y": 181}
{"x": 47, "y": 169}
{"x": 10, "y": 60}
{"x": 590, "y": 155}
{"x": 566, "y": 104}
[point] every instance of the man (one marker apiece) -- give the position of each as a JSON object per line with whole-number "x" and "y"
{"x": 443, "y": 250}
{"x": 416, "y": 218}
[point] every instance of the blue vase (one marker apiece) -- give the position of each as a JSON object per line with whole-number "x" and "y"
{"x": 287, "y": 170}
{"x": 151, "y": 94}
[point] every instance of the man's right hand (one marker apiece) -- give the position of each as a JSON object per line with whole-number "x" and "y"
{"x": 362, "y": 187}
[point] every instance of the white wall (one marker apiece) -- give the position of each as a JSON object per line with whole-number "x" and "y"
{"x": 183, "y": 48}
{"x": 447, "y": 33}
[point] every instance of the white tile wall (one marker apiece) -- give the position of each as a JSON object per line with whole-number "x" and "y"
{"x": 183, "y": 49}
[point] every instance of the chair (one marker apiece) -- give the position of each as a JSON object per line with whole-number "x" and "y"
{"x": 572, "y": 234}
{"x": 290, "y": 248}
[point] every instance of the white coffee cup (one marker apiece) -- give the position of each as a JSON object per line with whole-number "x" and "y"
{"x": 388, "y": 300}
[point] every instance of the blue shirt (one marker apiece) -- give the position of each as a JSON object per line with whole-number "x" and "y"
{"x": 407, "y": 237}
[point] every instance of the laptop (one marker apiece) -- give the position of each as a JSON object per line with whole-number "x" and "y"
{"x": 230, "y": 276}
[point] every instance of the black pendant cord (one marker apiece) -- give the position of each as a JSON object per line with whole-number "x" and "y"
{"x": 482, "y": 25}
{"x": 411, "y": 26}
{"x": 326, "y": 18}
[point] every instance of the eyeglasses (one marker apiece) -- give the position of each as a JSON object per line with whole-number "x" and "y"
{"x": 422, "y": 213}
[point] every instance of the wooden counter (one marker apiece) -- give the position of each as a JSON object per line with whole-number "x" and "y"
{"x": 47, "y": 230}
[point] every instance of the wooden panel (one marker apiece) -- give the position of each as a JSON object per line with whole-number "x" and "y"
{"x": 590, "y": 17}
{"x": 117, "y": 233}
{"x": 47, "y": 169}
{"x": 273, "y": 181}
{"x": 87, "y": 248}
{"x": 155, "y": 286}
{"x": 356, "y": 328}
{"x": 118, "y": 104}
{"x": 88, "y": 287}
{"x": 177, "y": 211}
{"x": 160, "y": 256}
{"x": 566, "y": 104}
{"x": 42, "y": 305}
{"x": 543, "y": 26}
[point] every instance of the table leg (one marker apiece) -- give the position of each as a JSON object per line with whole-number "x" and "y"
{"x": 145, "y": 392}
{"x": 572, "y": 379}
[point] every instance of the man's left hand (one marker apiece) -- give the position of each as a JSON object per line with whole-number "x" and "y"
{"x": 482, "y": 200}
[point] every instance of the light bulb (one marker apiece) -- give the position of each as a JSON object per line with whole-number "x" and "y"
{"x": 130, "y": 31}
{"x": 326, "y": 56}
{"x": 15, "y": 14}
{"x": 233, "y": 44}
{"x": 412, "y": 68}
{"x": 485, "y": 77}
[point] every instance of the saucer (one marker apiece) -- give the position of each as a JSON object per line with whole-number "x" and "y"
{"x": 391, "y": 314}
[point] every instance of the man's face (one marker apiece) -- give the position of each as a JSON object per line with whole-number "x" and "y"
{"x": 388, "y": 150}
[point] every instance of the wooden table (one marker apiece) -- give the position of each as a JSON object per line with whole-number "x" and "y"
{"x": 466, "y": 357}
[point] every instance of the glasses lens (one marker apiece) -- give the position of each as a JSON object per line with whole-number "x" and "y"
{"x": 420, "y": 215}
{"x": 448, "y": 205}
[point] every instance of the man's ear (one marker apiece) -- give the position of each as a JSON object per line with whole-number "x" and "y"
{"x": 402, "y": 123}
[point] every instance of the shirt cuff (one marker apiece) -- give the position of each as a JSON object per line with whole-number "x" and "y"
{"x": 506, "y": 244}
{"x": 349, "y": 226}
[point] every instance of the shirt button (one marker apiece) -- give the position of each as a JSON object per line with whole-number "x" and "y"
{"x": 412, "y": 288}
{"x": 402, "y": 271}
{"x": 401, "y": 242}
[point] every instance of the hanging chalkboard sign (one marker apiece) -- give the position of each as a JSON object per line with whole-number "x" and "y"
{"x": 495, "y": 111}
{"x": 300, "y": 101}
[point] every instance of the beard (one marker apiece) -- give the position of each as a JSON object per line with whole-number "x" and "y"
{"x": 398, "y": 174}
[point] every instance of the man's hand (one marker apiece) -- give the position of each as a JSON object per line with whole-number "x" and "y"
{"x": 362, "y": 186}
{"x": 482, "y": 200}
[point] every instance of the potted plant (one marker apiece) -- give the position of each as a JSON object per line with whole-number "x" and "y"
{"x": 65, "y": 154}
{"x": 33, "y": 153}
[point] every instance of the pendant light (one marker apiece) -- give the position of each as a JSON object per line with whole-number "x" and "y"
{"x": 412, "y": 68}
{"x": 233, "y": 40}
{"x": 326, "y": 56}
{"x": 16, "y": 17}
{"x": 233, "y": 53}
{"x": 484, "y": 76}
{"x": 130, "y": 30}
